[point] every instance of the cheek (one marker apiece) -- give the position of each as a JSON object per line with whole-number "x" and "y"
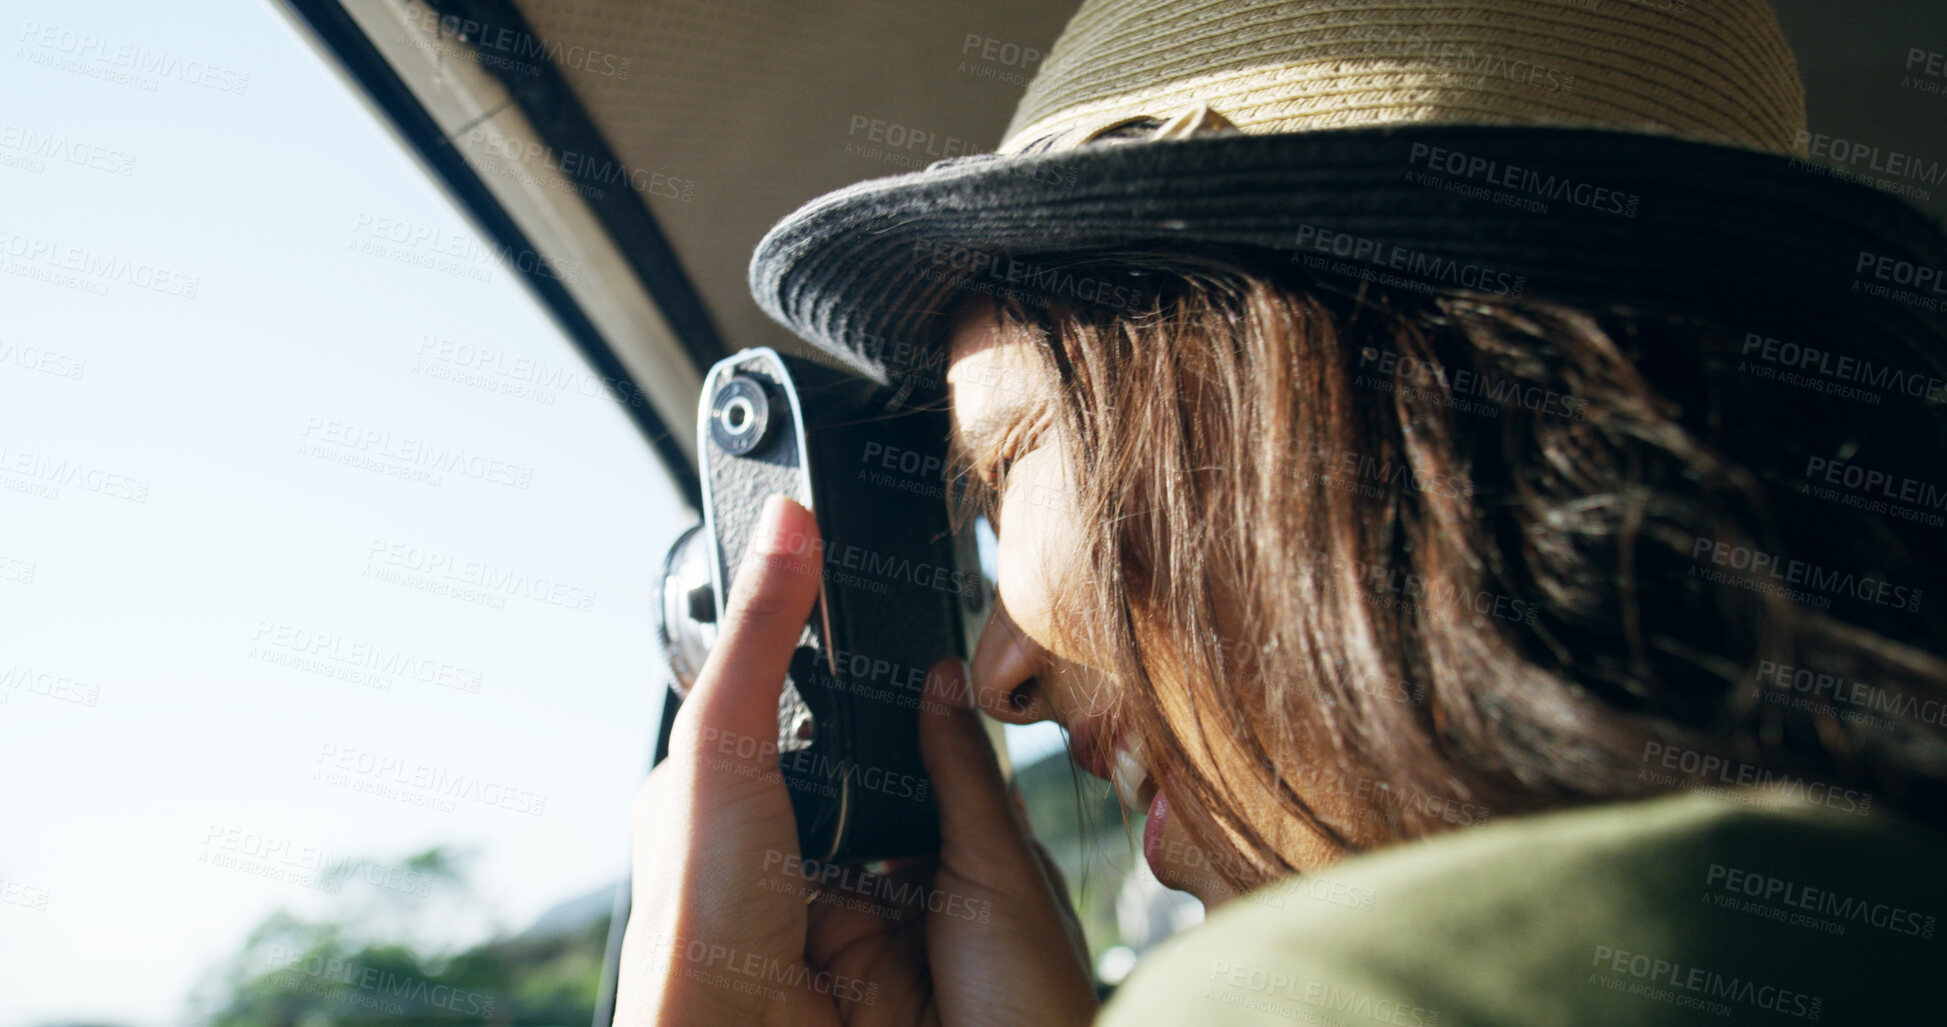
{"x": 1037, "y": 552}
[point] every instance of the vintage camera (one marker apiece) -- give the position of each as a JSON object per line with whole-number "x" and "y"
{"x": 900, "y": 588}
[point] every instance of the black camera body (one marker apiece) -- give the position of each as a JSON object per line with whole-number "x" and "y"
{"x": 899, "y": 588}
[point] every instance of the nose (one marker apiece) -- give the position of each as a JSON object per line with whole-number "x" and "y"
{"x": 1005, "y": 671}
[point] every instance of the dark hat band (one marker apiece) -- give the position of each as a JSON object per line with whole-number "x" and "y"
{"x": 1568, "y": 214}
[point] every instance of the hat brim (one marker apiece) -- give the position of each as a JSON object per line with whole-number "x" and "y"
{"x": 865, "y": 273}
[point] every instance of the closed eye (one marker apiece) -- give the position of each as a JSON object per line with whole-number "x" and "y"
{"x": 1008, "y": 439}
{"x": 997, "y": 479}
{"x": 992, "y": 486}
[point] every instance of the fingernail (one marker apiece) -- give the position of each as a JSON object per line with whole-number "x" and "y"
{"x": 770, "y": 523}
{"x": 767, "y": 542}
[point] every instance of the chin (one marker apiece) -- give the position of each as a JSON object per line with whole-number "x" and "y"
{"x": 1181, "y": 862}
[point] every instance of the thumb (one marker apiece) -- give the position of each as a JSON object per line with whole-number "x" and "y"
{"x": 987, "y": 856}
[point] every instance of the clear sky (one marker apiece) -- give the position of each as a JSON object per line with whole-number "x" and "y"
{"x": 261, "y": 483}
{"x": 178, "y": 522}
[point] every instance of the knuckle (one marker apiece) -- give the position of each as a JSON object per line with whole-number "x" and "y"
{"x": 759, "y": 607}
{"x": 768, "y": 596}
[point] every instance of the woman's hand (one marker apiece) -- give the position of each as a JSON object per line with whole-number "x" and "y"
{"x": 720, "y": 932}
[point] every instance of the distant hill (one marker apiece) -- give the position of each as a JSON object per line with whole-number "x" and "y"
{"x": 573, "y": 915}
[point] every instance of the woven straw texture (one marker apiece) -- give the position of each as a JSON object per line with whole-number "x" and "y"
{"x": 1712, "y": 70}
{"x": 1390, "y": 141}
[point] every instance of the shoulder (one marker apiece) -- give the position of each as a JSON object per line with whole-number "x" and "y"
{"x": 1685, "y": 909}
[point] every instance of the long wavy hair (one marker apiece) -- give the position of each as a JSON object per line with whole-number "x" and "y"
{"x": 1410, "y": 560}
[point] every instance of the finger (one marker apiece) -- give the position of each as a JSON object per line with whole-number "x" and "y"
{"x": 977, "y": 814}
{"x": 736, "y": 692}
{"x": 987, "y": 859}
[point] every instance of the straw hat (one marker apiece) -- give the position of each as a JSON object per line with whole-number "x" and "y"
{"x": 1638, "y": 151}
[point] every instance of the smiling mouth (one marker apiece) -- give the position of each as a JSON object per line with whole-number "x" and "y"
{"x": 1125, "y": 765}
{"x": 1135, "y": 787}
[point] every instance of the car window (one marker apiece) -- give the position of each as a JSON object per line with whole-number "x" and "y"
{"x": 326, "y": 667}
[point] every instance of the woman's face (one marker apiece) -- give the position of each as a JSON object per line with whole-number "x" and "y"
{"x": 1023, "y": 670}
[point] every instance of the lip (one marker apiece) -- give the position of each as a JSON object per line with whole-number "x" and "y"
{"x": 1086, "y": 745}
{"x": 1153, "y": 840}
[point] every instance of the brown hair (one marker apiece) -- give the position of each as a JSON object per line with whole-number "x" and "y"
{"x": 1416, "y": 559}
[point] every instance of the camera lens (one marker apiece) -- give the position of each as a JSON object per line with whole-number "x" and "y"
{"x": 686, "y": 608}
{"x": 740, "y": 415}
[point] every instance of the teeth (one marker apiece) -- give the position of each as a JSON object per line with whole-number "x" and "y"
{"x": 1130, "y": 771}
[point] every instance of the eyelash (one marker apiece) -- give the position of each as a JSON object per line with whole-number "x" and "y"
{"x": 997, "y": 481}
{"x": 992, "y": 485}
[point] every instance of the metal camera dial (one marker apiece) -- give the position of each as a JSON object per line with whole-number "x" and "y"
{"x": 740, "y": 415}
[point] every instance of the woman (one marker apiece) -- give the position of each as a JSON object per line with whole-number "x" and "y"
{"x": 1414, "y": 492}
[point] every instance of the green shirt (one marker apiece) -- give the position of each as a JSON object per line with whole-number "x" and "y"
{"x": 1680, "y": 910}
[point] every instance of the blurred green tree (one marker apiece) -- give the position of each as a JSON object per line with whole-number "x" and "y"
{"x": 368, "y": 960}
